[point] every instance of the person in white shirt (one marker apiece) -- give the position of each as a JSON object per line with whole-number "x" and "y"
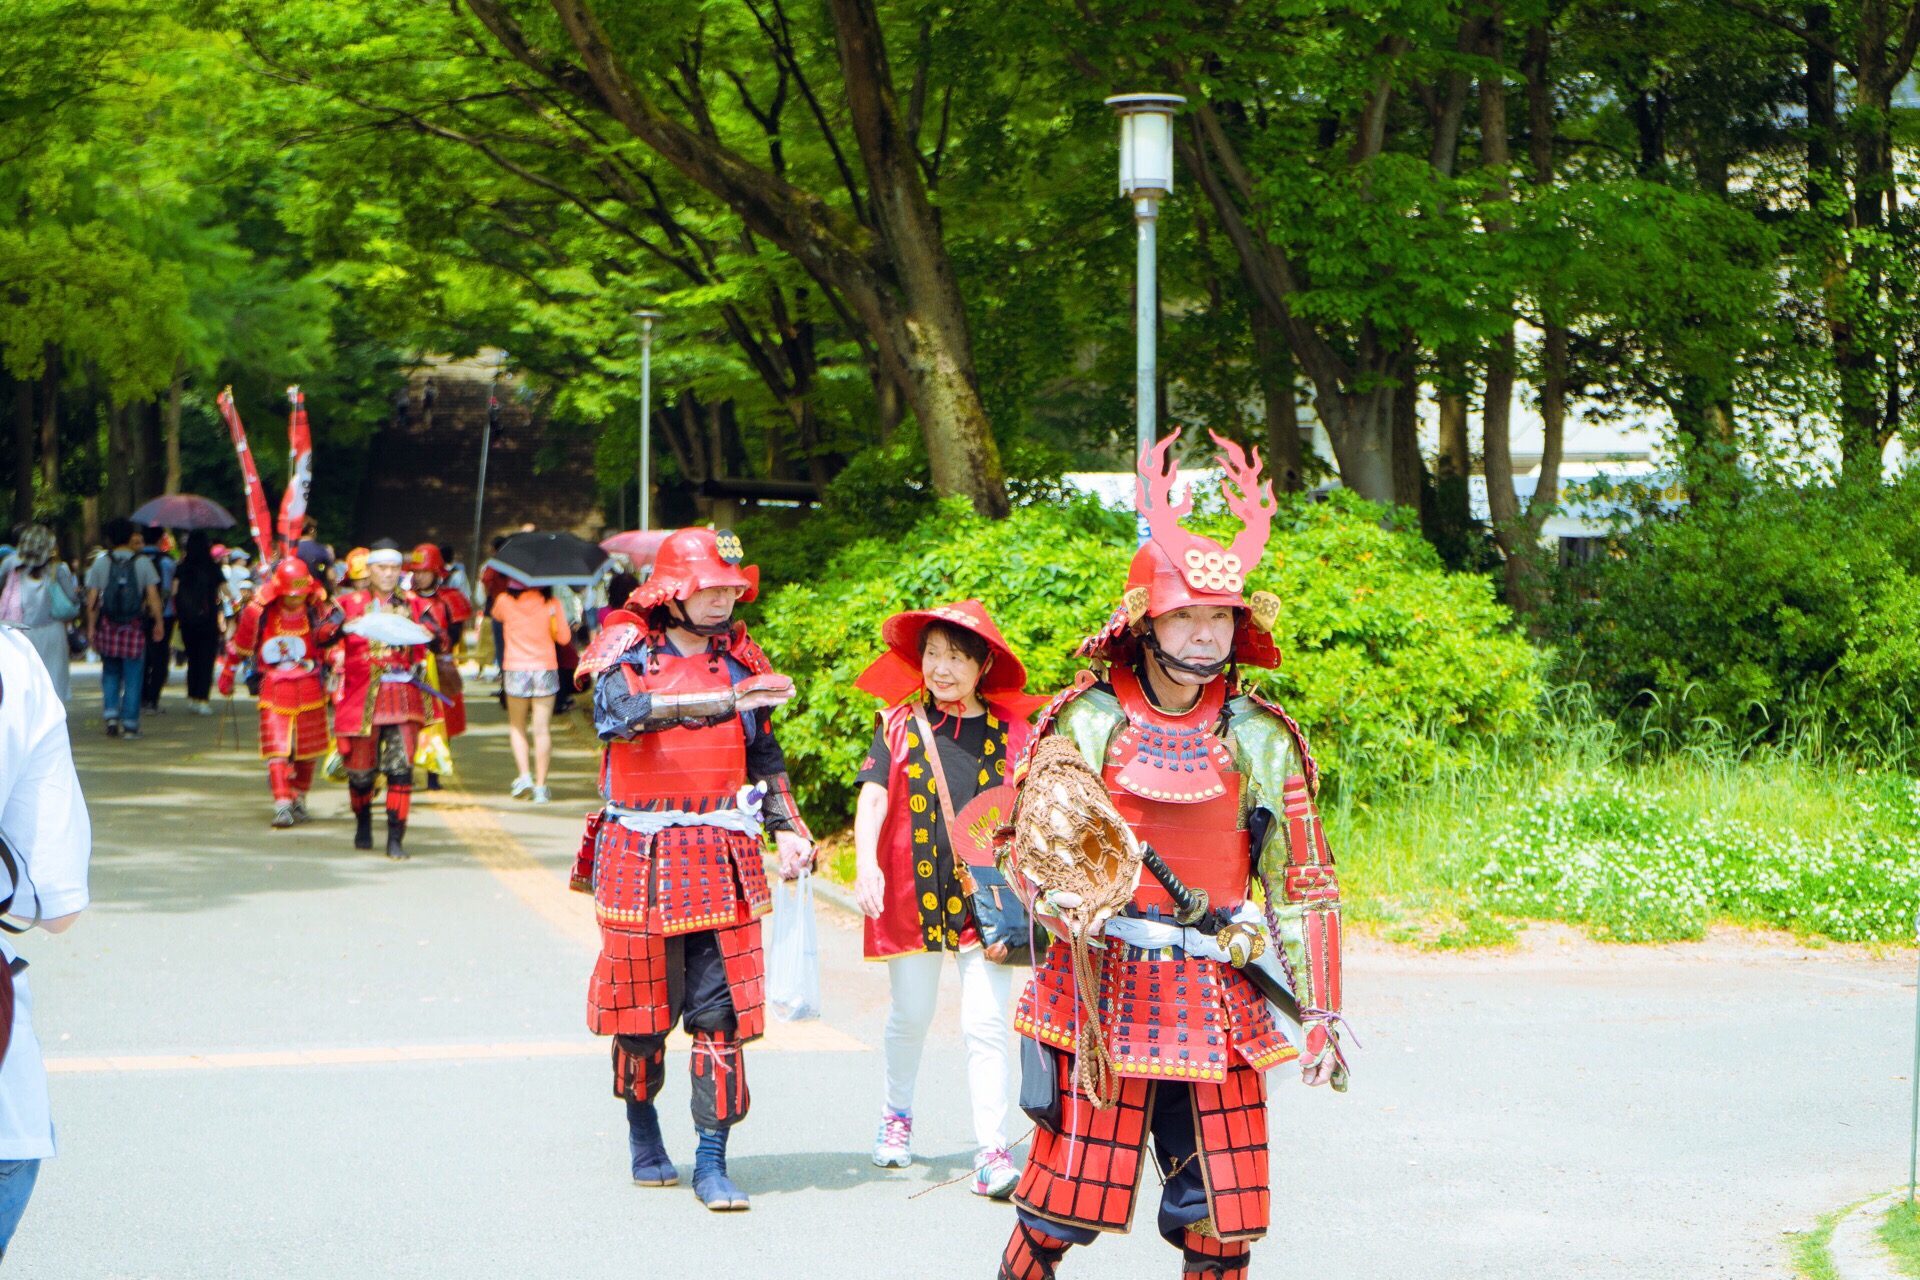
{"x": 43, "y": 818}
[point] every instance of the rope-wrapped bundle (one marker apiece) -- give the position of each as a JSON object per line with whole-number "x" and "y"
{"x": 1071, "y": 843}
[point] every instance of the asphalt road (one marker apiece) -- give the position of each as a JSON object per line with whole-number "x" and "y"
{"x": 279, "y": 1057}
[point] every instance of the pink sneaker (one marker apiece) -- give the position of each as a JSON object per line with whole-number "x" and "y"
{"x": 995, "y": 1176}
{"x": 893, "y": 1148}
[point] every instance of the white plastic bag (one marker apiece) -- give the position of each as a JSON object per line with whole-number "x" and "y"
{"x": 793, "y": 954}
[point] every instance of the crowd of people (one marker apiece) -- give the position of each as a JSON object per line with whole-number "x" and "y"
{"x": 1004, "y": 828}
{"x": 146, "y": 604}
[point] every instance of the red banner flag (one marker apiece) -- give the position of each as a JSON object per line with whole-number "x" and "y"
{"x": 293, "y": 504}
{"x": 259, "y": 518}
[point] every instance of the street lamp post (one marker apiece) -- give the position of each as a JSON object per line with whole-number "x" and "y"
{"x": 486, "y": 447}
{"x": 645, "y": 318}
{"x": 1146, "y": 174}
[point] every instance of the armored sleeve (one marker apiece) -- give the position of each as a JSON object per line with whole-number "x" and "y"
{"x": 767, "y": 764}
{"x": 622, "y": 708}
{"x": 1295, "y": 868}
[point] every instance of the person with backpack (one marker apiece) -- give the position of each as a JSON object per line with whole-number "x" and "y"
{"x": 47, "y": 841}
{"x": 123, "y": 609}
{"x": 38, "y": 593}
{"x": 198, "y": 586}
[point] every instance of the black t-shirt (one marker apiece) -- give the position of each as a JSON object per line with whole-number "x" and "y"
{"x": 197, "y": 586}
{"x": 969, "y": 769}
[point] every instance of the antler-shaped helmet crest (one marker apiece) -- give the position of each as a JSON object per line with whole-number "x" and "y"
{"x": 1179, "y": 568}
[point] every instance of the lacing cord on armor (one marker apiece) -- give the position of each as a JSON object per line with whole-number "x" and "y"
{"x": 970, "y": 1172}
{"x": 1336, "y": 1022}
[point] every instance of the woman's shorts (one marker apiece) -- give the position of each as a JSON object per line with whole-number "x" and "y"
{"x": 531, "y": 684}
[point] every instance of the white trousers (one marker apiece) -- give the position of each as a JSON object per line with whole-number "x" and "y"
{"x": 984, "y": 991}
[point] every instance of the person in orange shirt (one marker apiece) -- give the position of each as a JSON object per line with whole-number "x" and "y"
{"x": 532, "y": 627}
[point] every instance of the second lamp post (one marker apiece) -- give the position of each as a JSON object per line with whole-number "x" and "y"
{"x": 644, "y": 318}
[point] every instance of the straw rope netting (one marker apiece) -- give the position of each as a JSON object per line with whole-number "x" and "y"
{"x": 1070, "y": 840}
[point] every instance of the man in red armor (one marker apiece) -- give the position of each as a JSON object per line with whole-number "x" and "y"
{"x": 382, "y": 700}
{"x": 283, "y": 630}
{"x": 449, "y": 609}
{"x": 692, "y": 777}
{"x": 1219, "y": 782}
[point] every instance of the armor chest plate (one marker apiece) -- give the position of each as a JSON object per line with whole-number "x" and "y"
{"x": 1172, "y": 781}
{"x": 679, "y": 768}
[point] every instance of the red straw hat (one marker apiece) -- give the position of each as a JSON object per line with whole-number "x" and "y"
{"x": 895, "y": 675}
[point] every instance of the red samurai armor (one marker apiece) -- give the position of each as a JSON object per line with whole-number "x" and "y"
{"x": 283, "y": 630}
{"x": 648, "y": 887}
{"x": 442, "y": 609}
{"x": 1189, "y": 1034}
{"x": 375, "y": 684}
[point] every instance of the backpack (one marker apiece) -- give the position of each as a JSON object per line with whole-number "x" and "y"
{"x": 123, "y": 599}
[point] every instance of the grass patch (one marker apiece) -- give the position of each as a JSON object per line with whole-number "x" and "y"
{"x": 1900, "y": 1232}
{"x": 1636, "y": 852}
{"x": 1810, "y": 1258}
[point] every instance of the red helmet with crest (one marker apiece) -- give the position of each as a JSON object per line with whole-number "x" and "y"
{"x": 426, "y": 559}
{"x": 693, "y": 560}
{"x": 1179, "y": 569}
{"x": 292, "y": 580}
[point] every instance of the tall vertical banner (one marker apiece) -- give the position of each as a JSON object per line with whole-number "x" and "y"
{"x": 259, "y": 518}
{"x": 293, "y": 504}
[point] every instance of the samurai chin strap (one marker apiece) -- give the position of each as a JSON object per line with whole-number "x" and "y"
{"x": 1206, "y": 670}
{"x": 677, "y": 617}
{"x": 1203, "y": 1257}
{"x": 779, "y": 810}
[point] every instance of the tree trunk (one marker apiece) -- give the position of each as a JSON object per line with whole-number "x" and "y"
{"x": 50, "y": 430}
{"x": 1410, "y": 482}
{"x": 1542, "y": 125}
{"x": 1360, "y": 428}
{"x": 1358, "y": 423}
{"x": 895, "y": 275}
{"x": 931, "y": 334}
{"x": 176, "y": 393}
{"x": 1286, "y": 460}
{"x": 23, "y": 438}
{"x": 120, "y": 463}
{"x": 1453, "y": 468}
{"x": 889, "y": 406}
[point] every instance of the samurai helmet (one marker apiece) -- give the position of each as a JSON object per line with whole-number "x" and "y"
{"x": 426, "y": 559}
{"x": 292, "y": 581}
{"x": 692, "y": 560}
{"x": 1179, "y": 569}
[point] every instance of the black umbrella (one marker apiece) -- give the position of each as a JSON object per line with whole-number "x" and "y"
{"x": 549, "y": 560}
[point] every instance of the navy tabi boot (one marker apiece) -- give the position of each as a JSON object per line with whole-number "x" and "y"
{"x": 651, "y": 1165}
{"x": 710, "y": 1180}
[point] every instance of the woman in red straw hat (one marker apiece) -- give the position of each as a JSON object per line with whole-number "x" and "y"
{"x": 956, "y": 712}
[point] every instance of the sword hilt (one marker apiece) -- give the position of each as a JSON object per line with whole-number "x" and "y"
{"x": 1190, "y": 906}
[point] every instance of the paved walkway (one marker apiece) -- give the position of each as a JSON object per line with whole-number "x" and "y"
{"x": 279, "y": 1057}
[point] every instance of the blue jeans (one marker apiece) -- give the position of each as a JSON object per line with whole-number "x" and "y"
{"x": 16, "y": 1187}
{"x": 120, "y": 689}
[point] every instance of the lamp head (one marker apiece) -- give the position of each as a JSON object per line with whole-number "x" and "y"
{"x": 1146, "y": 142}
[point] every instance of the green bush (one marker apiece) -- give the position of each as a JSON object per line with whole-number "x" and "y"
{"x": 1785, "y": 612}
{"x": 1625, "y": 859}
{"x": 1392, "y": 666}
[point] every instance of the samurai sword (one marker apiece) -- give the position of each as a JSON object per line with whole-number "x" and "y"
{"x": 1192, "y": 910}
